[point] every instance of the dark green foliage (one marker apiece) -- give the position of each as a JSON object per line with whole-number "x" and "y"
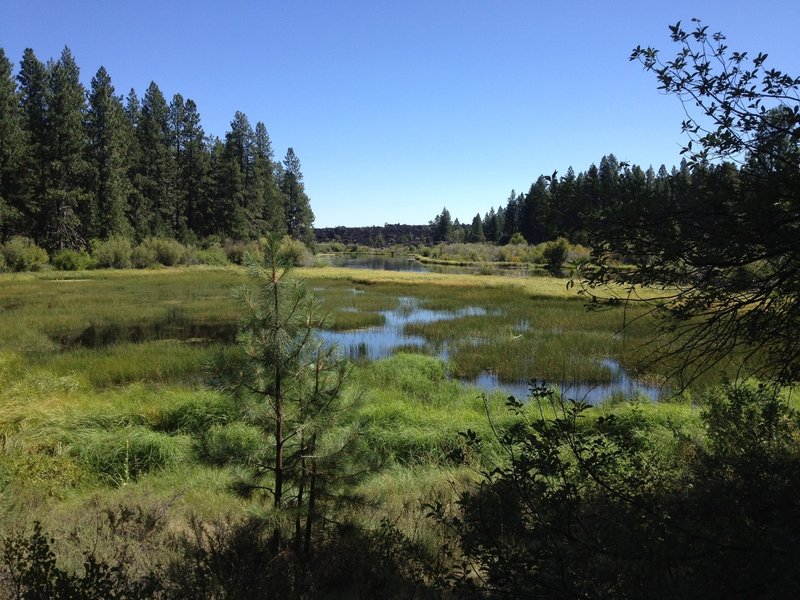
{"x": 12, "y": 153}
{"x": 721, "y": 239}
{"x": 107, "y": 156}
{"x": 297, "y": 206}
{"x": 67, "y": 205}
{"x": 30, "y": 571}
{"x": 155, "y": 175}
{"x": 475, "y": 233}
{"x": 71, "y": 172}
{"x": 239, "y": 560}
{"x": 585, "y": 507}
{"x": 33, "y": 80}
{"x": 441, "y": 226}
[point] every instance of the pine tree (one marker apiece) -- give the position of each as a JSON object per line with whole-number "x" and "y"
{"x": 441, "y": 226}
{"x": 105, "y": 125}
{"x": 67, "y": 200}
{"x": 476, "y": 230}
{"x": 290, "y": 383}
{"x": 156, "y": 172}
{"x": 239, "y": 148}
{"x": 512, "y": 218}
{"x": 535, "y": 220}
{"x": 268, "y": 210}
{"x": 12, "y": 151}
{"x": 138, "y": 206}
{"x": 194, "y": 169}
{"x": 33, "y": 80}
{"x": 228, "y": 215}
{"x": 298, "y": 215}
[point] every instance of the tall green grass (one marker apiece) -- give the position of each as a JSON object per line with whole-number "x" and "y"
{"x": 85, "y": 430}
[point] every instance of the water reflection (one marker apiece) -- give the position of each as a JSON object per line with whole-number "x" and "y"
{"x": 372, "y": 343}
{"x": 591, "y": 393}
{"x": 378, "y": 262}
{"x": 385, "y": 262}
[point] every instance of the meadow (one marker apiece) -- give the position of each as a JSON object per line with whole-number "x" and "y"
{"x": 106, "y": 405}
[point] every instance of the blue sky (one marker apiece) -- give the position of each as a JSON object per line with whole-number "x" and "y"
{"x": 399, "y": 108}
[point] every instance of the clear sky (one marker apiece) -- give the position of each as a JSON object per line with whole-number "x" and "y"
{"x": 397, "y": 108}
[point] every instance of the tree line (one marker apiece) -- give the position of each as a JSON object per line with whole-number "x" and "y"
{"x": 78, "y": 165}
{"x": 571, "y": 205}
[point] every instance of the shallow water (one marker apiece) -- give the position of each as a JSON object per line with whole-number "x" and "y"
{"x": 383, "y": 262}
{"x": 378, "y": 262}
{"x": 373, "y": 343}
{"x": 591, "y": 393}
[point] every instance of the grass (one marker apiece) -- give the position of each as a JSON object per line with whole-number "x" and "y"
{"x": 84, "y": 430}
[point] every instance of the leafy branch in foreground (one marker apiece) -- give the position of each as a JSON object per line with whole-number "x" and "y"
{"x": 622, "y": 506}
{"x": 722, "y": 243}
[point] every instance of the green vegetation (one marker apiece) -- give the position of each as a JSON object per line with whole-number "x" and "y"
{"x": 100, "y": 412}
{"x": 133, "y": 183}
{"x": 297, "y": 475}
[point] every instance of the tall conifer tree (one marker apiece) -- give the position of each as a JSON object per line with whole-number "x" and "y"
{"x": 156, "y": 172}
{"x": 33, "y": 80}
{"x": 67, "y": 201}
{"x": 105, "y": 125}
{"x": 298, "y": 214}
{"x": 12, "y": 152}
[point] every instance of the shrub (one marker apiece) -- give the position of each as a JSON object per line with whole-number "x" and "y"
{"x": 144, "y": 256}
{"x": 295, "y": 251}
{"x": 168, "y": 252}
{"x": 71, "y": 260}
{"x": 555, "y": 253}
{"x": 213, "y": 255}
{"x": 517, "y": 239}
{"x": 578, "y": 253}
{"x": 22, "y": 254}
{"x": 114, "y": 253}
{"x": 236, "y": 251}
{"x": 2, "y": 261}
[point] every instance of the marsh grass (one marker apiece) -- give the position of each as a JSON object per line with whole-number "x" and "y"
{"x": 84, "y": 430}
{"x": 159, "y": 362}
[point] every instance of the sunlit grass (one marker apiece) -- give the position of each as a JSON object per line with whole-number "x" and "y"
{"x": 85, "y": 429}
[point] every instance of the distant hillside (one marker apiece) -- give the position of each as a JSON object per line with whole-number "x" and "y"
{"x": 376, "y": 236}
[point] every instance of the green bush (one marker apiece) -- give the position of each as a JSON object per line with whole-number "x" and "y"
{"x": 2, "y": 261}
{"x": 555, "y": 253}
{"x": 71, "y": 260}
{"x": 236, "y": 251}
{"x": 213, "y": 255}
{"x": 296, "y": 251}
{"x": 144, "y": 256}
{"x": 114, "y": 253}
{"x": 168, "y": 252}
{"x": 517, "y": 239}
{"x": 22, "y": 254}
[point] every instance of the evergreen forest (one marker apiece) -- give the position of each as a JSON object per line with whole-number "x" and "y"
{"x": 79, "y": 165}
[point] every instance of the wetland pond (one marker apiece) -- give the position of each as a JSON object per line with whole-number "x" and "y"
{"x": 401, "y": 328}
{"x": 381, "y": 341}
{"x": 386, "y": 262}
